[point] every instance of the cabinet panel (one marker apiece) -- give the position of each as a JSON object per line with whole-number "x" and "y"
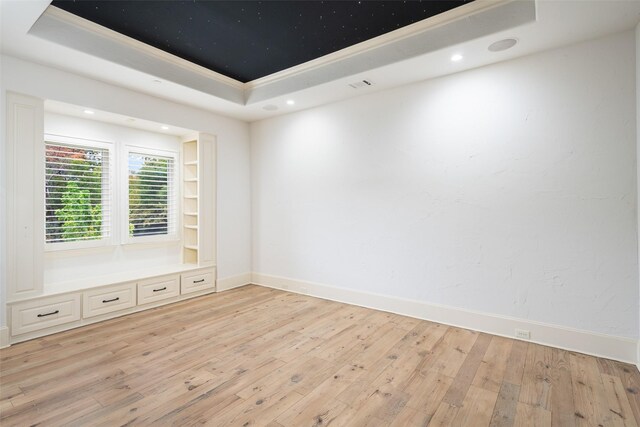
{"x": 107, "y": 300}
{"x": 44, "y": 313}
{"x": 207, "y": 212}
{"x": 25, "y": 209}
{"x": 158, "y": 288}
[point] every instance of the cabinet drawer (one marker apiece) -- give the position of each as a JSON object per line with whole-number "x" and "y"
{"x": 44, "y": 313}
{"x": 107, "y": 300}
{"x": 197, "y": 281}
{"x": 158, "y": 288}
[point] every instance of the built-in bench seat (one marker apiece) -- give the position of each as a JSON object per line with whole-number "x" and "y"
{"x": 70, "y": 304}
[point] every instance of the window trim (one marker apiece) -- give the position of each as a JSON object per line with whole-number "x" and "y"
{"x": 175, "y": 236}
{"x": 113, "y": 219}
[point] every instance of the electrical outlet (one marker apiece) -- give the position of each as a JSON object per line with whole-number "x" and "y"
{"x": 523, "y": 334}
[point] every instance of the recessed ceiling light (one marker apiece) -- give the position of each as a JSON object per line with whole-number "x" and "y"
{"x": 88, "y": 112}
{"x": 165, "y": 128}
{"x": 270, "y": 107}
{"x": 457, "y": 57}
{"x": 290, "y": 102}
{"x": 501, "y": 45}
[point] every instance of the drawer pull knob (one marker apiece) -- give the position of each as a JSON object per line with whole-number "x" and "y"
{"x": 198, "y": 281}
{"x": 49, "y": 314}
{"x": 110, "y": 300}
{"x": 161, "y": 289}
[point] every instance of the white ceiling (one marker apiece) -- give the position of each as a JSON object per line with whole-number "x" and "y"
{"x": 557, "y": 23}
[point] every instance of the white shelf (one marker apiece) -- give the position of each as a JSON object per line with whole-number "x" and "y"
{"x": 198, "y": 200}
{"x": 191, "y": 156}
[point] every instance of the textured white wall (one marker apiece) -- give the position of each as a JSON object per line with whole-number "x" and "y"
{"x": 509, "y": 189}
{"x": 638, "y": 156}
{"x": 3, "y": 202}
{"x": 233, "y": 206}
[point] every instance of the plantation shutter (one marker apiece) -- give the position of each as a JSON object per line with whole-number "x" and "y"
{"x": 152, "y": 204}
{"x": 77, "y": 193}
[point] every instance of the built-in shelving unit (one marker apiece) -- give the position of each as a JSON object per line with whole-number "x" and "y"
{"x": 198, "y": 200}
{"x": 190, "y": 202}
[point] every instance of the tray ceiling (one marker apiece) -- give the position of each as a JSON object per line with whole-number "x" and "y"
{"x": 247, "y": 40}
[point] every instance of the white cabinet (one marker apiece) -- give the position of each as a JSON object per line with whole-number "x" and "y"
{"x": 197, "y": 281}
{"x": 33, "y": 315}
{"x": 113, "y": 297}
{"x": 158, "y": 288}
{"x": 108, "y": 299}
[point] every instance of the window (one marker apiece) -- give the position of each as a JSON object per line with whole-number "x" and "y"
{"x": 151, "y": 195}
{"x": 77, "y": 193}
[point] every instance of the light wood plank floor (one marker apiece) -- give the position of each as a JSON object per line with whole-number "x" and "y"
{"x": 256, "y": 356}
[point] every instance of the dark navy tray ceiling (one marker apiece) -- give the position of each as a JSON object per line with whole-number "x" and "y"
{"x": 246, "y": 40}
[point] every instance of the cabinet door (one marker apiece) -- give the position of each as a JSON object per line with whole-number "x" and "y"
{"x": 108, "y": 299}
{"x": 44, "y": 313}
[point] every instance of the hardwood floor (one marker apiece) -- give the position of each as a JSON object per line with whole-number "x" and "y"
{"x": 257, "y": 356}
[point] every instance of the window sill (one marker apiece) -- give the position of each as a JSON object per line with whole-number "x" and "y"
{"x": 105, "y": 248}
{"x": 150, "y": 242}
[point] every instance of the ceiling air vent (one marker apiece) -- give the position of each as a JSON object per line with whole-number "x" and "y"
{"x": 361, "y": 83}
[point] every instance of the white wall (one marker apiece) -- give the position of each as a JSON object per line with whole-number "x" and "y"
{"x": 66, "y": 265}
{"x": 3, "y": 200}
{"x": 509, "y": 189}
{"x": 638, "y": 153}
{"x": 233, "y": 204}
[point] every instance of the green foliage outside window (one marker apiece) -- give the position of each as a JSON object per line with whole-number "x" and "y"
{"x": 74, "y": 192}
{"x": 149, "y": 178}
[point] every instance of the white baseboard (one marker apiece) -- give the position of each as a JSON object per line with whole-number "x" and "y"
{"x": 231, "y": 282}
{"x": 4, "y": 336}
{"x": 607, "y": 346}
